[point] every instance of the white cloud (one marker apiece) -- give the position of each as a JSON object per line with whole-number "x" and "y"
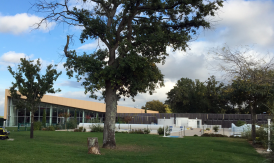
{"x": 13, "y": 57}
{"x": 244, "y": 22}
{"x": 79, "y": 4}
{"x": 21, "y": 23}
{"x": 93, "y": 45}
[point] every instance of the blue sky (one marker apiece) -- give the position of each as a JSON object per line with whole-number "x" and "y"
{"x": 239, "y": 22}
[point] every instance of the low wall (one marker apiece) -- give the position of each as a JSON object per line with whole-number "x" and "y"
{"x": 124, "y": 126}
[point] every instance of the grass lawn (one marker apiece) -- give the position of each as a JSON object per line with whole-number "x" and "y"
{"x": 57, "y": 146}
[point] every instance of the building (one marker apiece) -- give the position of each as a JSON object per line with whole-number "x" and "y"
{"x": 55, "y": 105}
{"x": 181, "y": 121}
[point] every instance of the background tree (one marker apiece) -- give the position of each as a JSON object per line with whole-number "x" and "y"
{"x": 127, "y": 119}
{"x": 215, "y": 95}
{"x": 252, "y": 74}
{"x": 197, "y": 97}
{"x": 44, "y": 117}
{"x": 31, "y": 86}
{"x": 136, "y": 34}
{"x": 155, "y": 105}
{"x": 65, "y": 115}
{"x": 168, "y": 110}
{"x": 75, "y": 118}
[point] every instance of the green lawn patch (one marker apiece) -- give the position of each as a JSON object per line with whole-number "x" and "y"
{"x": 57, "y": 146}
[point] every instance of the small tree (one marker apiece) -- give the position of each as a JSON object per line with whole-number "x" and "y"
{"x": 65, "y": 115}
{"x": 44, "y": 118}
{"x": 216, "y": 128}
{"x": 88, "y": 118}
{"x": 127, "y": 119}
{"x": 75, "y": 117}
{"x": 30, "y": 87}
{"x": 155, "y": 105}
{"x": 252, "y": 74}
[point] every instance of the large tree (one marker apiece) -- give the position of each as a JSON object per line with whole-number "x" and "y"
{"x": 252, "y": 76}
{"x": 30, "y": 86}
{"x": 136, "y": 34}
{"x": 155, "y": 105}
{"x": 197, "y": 97}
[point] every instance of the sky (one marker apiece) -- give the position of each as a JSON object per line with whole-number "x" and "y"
{"x": 238, "y": 23}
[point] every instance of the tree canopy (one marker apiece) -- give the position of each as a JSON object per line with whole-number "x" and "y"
{"x": 155, "y": 105}
{"x": 31, "y": 85}
{"x": 190, "y": 96}
{"x": 136, "y": 34}
{"x": 252, "y": 77}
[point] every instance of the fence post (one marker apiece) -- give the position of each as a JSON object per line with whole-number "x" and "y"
{"x": 184, "y": 131}
{"x": 268, "y": 149}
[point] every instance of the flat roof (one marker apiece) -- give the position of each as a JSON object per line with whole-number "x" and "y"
{"x": 80, "y": 104}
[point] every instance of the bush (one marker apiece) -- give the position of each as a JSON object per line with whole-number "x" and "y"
{"x": 161, "y": 131}
{"x": 95, "y": 120}
{"x": 136, "y": 131}
{"x": 37, "y": 125}
{"x": 71, "y": 124}
{"x": 121, "y": 132}
{"x": 216, "y": 128}
{"x": 247, "y": 133}
{"x": 207, "y": 129}
{"x": 213, "y": 135}
{"x": 120, "y": 120}
{"x": 146, "y": 131}
{"x": 96, "y": 128}
{"x": 127, "y": 119}
{"x": 195, "y": 135}
{"x": 261, "y": 136}
{"x": 240, "y": 123}
{"x": 50, "y": 128}
{"x": 80, "y": 129}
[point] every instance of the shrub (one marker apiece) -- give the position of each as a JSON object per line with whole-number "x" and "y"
{"x": 261, "y": 136}
{"x": 127, "y": 119}
{"x": 205, "y": 135}
{"x": 37, "y": 125}
{"x": 95, "y": 120}
{"x": 84, "y": 130}
{"x": 121, "y": 132}
{"x": 96, "y": 128}
{"x": 213, "y": 135}
{"x": 247, "y": 133}
{"x": 50, "y": 128}
{"x": 195, "y": 135}
{"x": 136, "y": 131}
{"x": 207, "y": 129}
{"x": 71, "y": 124}
{"x": 240, "y": 123}
{"x": 161, "y": 131}
{"x": 57, "y": 127}
{"x": 216, "y": 128}
{"x": 120, "y": 120}
{"x": 146, "y": 131}
{"x": 80, "y": 129}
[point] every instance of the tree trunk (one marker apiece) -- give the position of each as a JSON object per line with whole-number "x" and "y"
{"x": 31, "y": 126}
{"x": 253, "y": 121}
{"x": 93, "y": 146}
{"x": 109, "y": 124}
